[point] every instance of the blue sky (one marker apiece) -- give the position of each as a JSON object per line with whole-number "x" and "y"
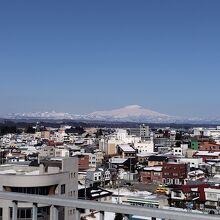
{"x": 83, "y": 56}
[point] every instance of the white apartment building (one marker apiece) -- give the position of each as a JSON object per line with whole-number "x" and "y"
{"x": 108, "y": 144}
{"x": 212, "y": 199}
{"x": 144, "y": 146}
{"x": 212, "y": 132}
{"x": 193, "y": 162}
{"x": 198, "y": 131}
{"x": 92, "y": 160}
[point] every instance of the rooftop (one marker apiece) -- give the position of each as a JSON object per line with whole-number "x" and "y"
{"x": 17, "y": 169}
{"x": 126, "y": 148}
{"x": 207, "y": 153}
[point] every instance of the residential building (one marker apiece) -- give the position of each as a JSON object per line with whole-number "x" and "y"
{"x": 194, "y": 145}
{"x": 144, "y": 146}
{"x": 212, "y": 132}
{"x": 98, "y": 177}
{"x": 193, "y": 162}
{"x": 188, "y": 196}
{"x": 205, "y": 155}
{"x": 99, "y": 156}
{"x": 156, "y": 160}
{"x": 212, "y": 199}
{"x": 207, "y": 146}
{"x": 126, "y": 151}
{"x": 142, "y": 131}
{"x": 151, "y": 174}
{"x": 83, "y": 161}
{"x": 174, "y": 173}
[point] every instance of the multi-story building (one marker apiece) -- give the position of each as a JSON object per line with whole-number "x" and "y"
{"x": 207, "y": 146}
{"x": 151, "y": 174}
{"x": 53, "y": 177}
{"x": 206, "y": 155}
{"x": 201, "y": 197}
{"x": 156, "y": 160}
{"x": 212, "y": 132}
{"x": 194, "y": 145}
{"x": 188, "y": 196}
{"x": 144, "y": 146}
{"x": 98, "y": 177}
{"x": 99, "y": 156}
{"x": 212, "y": 197}
{"x": 193, "y": 162}
{"x": 126, "y": 151}
{"x": 142, "y": 131}
{"x": 174, "y": 173}
{"x": 83, "y": 161}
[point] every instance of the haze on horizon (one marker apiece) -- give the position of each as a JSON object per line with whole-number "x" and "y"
{"x": 86, "y": 56}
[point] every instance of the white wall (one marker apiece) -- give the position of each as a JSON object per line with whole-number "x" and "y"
{"x": 144, "y": 146}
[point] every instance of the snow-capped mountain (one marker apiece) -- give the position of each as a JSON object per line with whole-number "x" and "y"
{"x": 42, "y": 115}
{"x": 131, "y": 113}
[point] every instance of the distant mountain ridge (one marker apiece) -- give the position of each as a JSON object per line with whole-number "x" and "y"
{"x": 130, "y": 113}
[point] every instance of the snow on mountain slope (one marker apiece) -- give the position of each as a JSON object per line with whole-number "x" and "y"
{"x": 131, "y": 113}
{"x": 42, "y": 115}
{"x": 134, "y": 113}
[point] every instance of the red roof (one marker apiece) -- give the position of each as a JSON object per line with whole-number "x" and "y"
{"x": 208, "y": 144}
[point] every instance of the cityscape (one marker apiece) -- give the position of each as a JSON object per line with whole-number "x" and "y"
{"x": 109, "y": 110}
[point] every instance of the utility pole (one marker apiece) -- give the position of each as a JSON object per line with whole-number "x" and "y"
{"x": 130, "y": 170}
{"x": 118, "y": 190}
{"x": 218, "y": 206}
{"x": 103, "y": 176}
{"x": 86, "y": 180}
{"x": 85, "y": 188}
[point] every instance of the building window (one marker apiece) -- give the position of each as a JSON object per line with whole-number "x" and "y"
{"x": 63, "y": 189}
{"x": 177, "y": 194}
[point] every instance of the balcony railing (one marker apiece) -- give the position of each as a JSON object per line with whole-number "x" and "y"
{"x": 55, "y": 202}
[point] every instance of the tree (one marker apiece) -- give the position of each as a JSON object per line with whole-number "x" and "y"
{"x": 178, "y": 144}
{"x": 30, "y": 130}
{"x": 6, "y": 129}
{"x": 118, "y": 216}
{"x": 160, "y": 131}
{"x": 99, "y": 133}
{"x": 179, "y": 136}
